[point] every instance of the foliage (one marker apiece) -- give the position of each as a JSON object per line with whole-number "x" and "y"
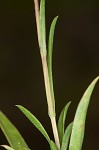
{"x": 70, "y": 138}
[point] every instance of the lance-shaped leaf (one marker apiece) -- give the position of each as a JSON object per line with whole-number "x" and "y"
{"x": 34, "y": 121}
{"x": 42, "y": 27}
{"x": 7, "y": 147}
{"x": 12, "y": 134}
{"x": 66, "y": 137}
{"x": 53, "y": 146}
{"x": 61, "y": 121}
{"x": 77, "y": 134}
{"x": 50, "y": 51}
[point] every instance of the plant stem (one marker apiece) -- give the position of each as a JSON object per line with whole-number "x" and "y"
{"x": 37, "y": 16}
{"x": 49, "y": 101}
{"x": 46, "y": 80}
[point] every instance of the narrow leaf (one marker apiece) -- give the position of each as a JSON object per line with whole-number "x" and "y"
{"x": 42, "y": 27}
{"x": 12, "y": 134}
{"x": 77, "y": 134}
{"x": 34, "y": 121}
{"x": 61, "y": 121}
{"x": 53, "y": 146}
{"x": 7, "y": 147}
{"x": 50, "y": 42}
{"x": 66, "y": 137}
{"x": 50, "y": 50}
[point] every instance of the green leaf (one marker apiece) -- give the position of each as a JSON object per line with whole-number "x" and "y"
{"x": 7, "y": 147}
{"x": 42, "y": 27}
{"x": 61, "y": 121}
{"x": 66, "y": 137}
{"x": 53, "y": 146}
{"x": 77, "y": 134}
{"x": 50, "y": 42}
{"x": 34, "y": 121}
{"x": 50, "y": 50}
{"x": 12, "y": 134}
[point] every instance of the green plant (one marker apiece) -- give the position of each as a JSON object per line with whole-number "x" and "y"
{"x": 68, "y": 138}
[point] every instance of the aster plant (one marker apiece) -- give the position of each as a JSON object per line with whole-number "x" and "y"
{"x": 69, "y": 138}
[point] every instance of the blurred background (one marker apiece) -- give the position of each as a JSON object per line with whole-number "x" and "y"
{"x": 75, "y": 65}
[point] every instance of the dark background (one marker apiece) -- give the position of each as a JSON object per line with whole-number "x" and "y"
{"x": 75, "y": 65}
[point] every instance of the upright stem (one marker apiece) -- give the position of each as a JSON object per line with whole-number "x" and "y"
{"x": 37, "y": 16}
{"x": 49, "y": 101}
{"x": 46, "y": 80}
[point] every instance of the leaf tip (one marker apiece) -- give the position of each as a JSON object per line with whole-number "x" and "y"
{"x": 18, "y": 106}
{"x": 97, "y": 78}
